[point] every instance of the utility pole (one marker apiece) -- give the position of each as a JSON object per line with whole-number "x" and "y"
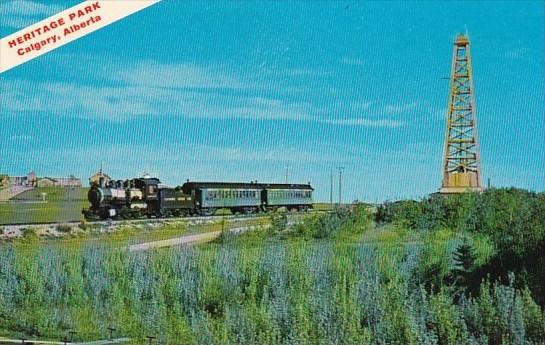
{"x": 331, "y": 186}
{"x": 223, "y": 220}
{"x": 150, "y": 338}
{"x": 72, "y": 333}
{"x": 286, "y": 174}
{"x": 340, "y": 183}
{"x": 111, "y": 329}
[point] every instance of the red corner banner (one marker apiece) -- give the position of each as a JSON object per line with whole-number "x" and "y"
{"x": 64, "y": 27}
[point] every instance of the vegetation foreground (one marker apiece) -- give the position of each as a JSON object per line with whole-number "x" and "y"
{"x": 464, "y": 270}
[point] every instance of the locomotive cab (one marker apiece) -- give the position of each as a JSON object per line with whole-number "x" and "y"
{"x": 148, "y": 186}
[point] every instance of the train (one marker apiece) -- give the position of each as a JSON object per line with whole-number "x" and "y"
{"x": 147, "y": 197}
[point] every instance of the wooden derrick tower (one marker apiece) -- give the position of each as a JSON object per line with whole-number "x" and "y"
{"x": 461, "y": 162}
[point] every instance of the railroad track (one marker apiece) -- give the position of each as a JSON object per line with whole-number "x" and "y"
{"x": 162, "y": 220}
{"x": 50, "y": 342}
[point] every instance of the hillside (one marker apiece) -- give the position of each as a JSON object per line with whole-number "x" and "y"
{"x": 419, "y": 273}
{"x": 58, "y": 204}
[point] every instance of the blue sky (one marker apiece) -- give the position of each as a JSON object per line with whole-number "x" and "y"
{"x": 237, "y": 91}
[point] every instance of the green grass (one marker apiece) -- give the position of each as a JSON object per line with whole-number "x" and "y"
{"x": 53, "y": 194}
{"x": 61, "y": 204}
{"x": 337, "y": 278}
{"x": 341, "y": 280}
{"x": 129, "y": 233}
{"x": 323, "y": 206}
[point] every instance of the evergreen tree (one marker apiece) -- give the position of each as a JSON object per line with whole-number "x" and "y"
{"x": 464, "y": 257}
{"x": 464, "y": 265}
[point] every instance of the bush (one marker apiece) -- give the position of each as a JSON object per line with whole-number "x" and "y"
{"x": 511, "y": 219}
{"x": 279, "y": 293}
{"x": 83, "y": 225}
{"x": 405, "y": 213}
{"x": 341, "y": 219}
{"x": 29, "y": 233}
{"x": 279, "y": 222}
{"x": 64, "y": 228}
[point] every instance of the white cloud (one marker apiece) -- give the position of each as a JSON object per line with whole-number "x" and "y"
{"x": 188, "y": 90}
{"x": 21, "y": 13}
{"x": 170, "y": 156}
{"x": 181, "y": 75}
{"x": 399, "y": 108}
{"x": 122, "y": 102}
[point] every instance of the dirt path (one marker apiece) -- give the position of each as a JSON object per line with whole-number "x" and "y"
{"x": 192, "y": 239}
{"x": 189, "y": 239}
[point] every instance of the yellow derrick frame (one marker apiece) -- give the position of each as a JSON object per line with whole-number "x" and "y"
{"x": 461, "y": 160}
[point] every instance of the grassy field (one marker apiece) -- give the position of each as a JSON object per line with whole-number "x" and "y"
{"x": 58, "y": 204}
{"x": 124, "y": 234}
{"x": 99, "y": 286}
{"x": 337, "y": 278}
{"x": 411, "y": 274}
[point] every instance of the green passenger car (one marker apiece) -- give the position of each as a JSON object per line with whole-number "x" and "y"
{"x": 290, "y": 196}
{"x": 248, "y": 197}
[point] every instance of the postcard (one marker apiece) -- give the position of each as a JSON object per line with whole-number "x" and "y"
{"x": 258, "y": 172}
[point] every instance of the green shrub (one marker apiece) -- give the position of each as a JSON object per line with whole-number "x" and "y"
{"x": 534, "y": 318}
{"x": 29, "y": 233}
{"x": 83, "y": 225}
{"x": 342, "y": 219}
{"x": 64, "y": 228}
{"x": 508, "y": 224}
{"x": 279, "y": 223}
{"x": 255, "y": 288}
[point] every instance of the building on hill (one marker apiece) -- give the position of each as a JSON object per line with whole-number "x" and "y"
{"x": 4, "y": 181}
{"x": 46, "y": 182}
{"x": 31, "y": 180}
{"x": 99, "y": 179}
{"x": 70, "y": 181}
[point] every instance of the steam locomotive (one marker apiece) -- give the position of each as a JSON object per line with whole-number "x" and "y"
{"x": 147, "y": 197}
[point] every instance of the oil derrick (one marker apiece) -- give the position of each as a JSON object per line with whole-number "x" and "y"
{"x": 461, "y": 162}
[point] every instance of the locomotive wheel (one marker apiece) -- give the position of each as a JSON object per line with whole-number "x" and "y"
{"x": 250, "y": 210}
{"x": 207, "y": 212}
